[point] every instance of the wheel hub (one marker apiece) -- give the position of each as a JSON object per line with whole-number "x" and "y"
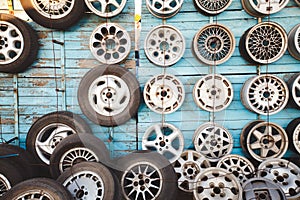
{"x": 108, "y": 95}
{"x": 214, "y": 44}
{"x": 3, "y": 42}
{"x": 164, "y": 93}
{"x": 190, "y": 170}
{"x": 267, "y": 141}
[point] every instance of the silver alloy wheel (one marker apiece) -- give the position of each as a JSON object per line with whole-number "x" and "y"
{"x": 212, "y": 141}
{"x": 164, "y": 8}
{"x": 85, "y": 185}
{"x": 164, "y": 45}
{"x": 11, "y": 43}
{"x": 239, "y": 166}
{"x": 4, "y": 185}
{"x": 110, "y": 43}
{"x": 262, "y": 8}
{"x": 266, "y": 140}
{"x": 294, "y": 88}
{"x": 142, "y": 181}
{"x": 164, "y": 93}
{"x": 187, "y": 167}
{"x": 265, "y": 94}
{"x": 53, "y": 9}
{"x": 284, "y": 173}
{"x": 109, "y": 95}
{"x": 106, "y": 8}
{"x": 164, "y": 138}
{"x": 266, "y": 42}
{"x": 34, "y": 194}
{"x": 262, "y": 189}
{"x": 213, "y": 44}
{"x": 76, "y": 155}
{"x": 48, "y": 139}
{"x": 213, "y": 7}
{"x": 216, "y": 183}
{"x": 294, "y": 42}
{"x": 213, "y": 93}
{"x": 293, "y": 131}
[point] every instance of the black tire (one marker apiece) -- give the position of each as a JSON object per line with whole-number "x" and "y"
{"x": 292, "y": 103}
{"x": 38, "y": 132}
{"x": 37, "y": 188}
{"x": 102, "y": 184}
{"x": 168, "y": 186}
{"x": 47, "y": 19}
{"x": 87, "y": 143}
{"x": 112, "y": 120}
{"x": 18, "y": 61}
{"x": 243, "y": 50}
{"x": 290, "y": 130}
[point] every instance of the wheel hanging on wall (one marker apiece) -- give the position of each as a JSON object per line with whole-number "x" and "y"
{"x": 146, "y": 176}
{"x": 212, "y": 141}
{"x": 76, "y": 149}
{"x": 294, "y": 88}
{"x": 164, "y": 45}
{"x": 237, "y": 165}
{"x": 208, "y": 7}
{"x": 164, "y": 8}
{"x": 49, "y": 130}
{"x": 38, "y": 188}
{"x": 106, "y": 8}
{"x": 261, "y": 188}
{"x": 264, "y": 43}
{"x": 297, "y": 2}
{"x": 216, "y": 183}
{"x": 265, "y": 94}
{"x": 165, "y": 139}
{"x": 18, "y": 44}
{"x": 110, "y": 43}
{"x": 213, "y": 44}
{"x": 263, "y": 8}
{"x": 187, "y": 167}
{"x": 293, "y": 132}
{"x": 213, "y": 93}
{"x": 284, "y": 173}
{"x": 264, "y": 140}
{"x": 294, "y": 42}
{"x": 164, "y": 93}
{"x": 109, "y": 95}
{"x": 89, "y": 181}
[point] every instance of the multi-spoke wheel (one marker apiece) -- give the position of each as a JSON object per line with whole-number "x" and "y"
{"x": 293, "y": 132}
{"x": 58, "y": 14}
{"x": 294, "y": 42}
{"x": 213, "y": 44}
{"x": 264, "y": 140}
{"x": 239, "y": 166}
{"x": 166, "y": 139}
{"x": 216, "y": 183}
{"x": 284, "y": 173}
{"x": 164, "y": 45}
{"x": 164, "y": 8}
{"x": 294, "y": 88}
{"x": 262, "y": 8}
{"x": 209, "y": 7}
{"x": 262, "y": 189}
{"x": 265, "y": 94}
{"x": 4, "y": 184}
{"x": 164, "y": 93}
{"x": 264, "y": 43}
{"x": 212, "y": 141}
{"x": 106, "y": 8}
{"x": 213, "y": 92}
{"x": 110, "y": 43}
{"x": 109, "y": 95}
{"x": 187, "y": 167}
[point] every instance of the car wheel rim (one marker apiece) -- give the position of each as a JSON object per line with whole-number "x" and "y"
{"x": 164, "y": 8}
{"x": 294, "y": 42}
{"x": 34, "y": 194}
{"x": 106, "y": 8}
{"x": 294, "y": 85}
{"x": 213, "y": 7}
{"x": 54, "y": 9}
{"x": 4, "y": 184}
{"x": 261, "y": 8}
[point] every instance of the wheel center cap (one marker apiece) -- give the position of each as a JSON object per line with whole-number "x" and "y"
{"x": 267, "y": 141}
{"x": 80, "y": 194}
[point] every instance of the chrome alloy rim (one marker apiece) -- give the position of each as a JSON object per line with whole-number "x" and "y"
{"x": 54, "y": 9}
{"x": 106, "y": 8}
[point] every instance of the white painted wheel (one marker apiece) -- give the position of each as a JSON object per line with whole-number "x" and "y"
{"x": 294, "y": 88}
{"x": 284, "y": 173}
{"x": 293, "y": 132}
{"x": 164, "y": 45}
{"x": 212, "y": 7}
{"x": 166, "y": 139}
{"x": 216, "y": 183}
{"x": 110, "y": 43}
{"x": 164, "y": 94}
{"x": 213, "y": 44}
{"x": 4, "y": 185}
{"x": 187, "y": 167}
{"x": 164, "y": 8}
{"x": 262, "y": 8}
{"x": 265, "y": 94}
{"x": 294, "y": 42}
{"x": 212, "y": 141}
{"x": 106, "y": 8}
{"x": 213, "y": 92}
